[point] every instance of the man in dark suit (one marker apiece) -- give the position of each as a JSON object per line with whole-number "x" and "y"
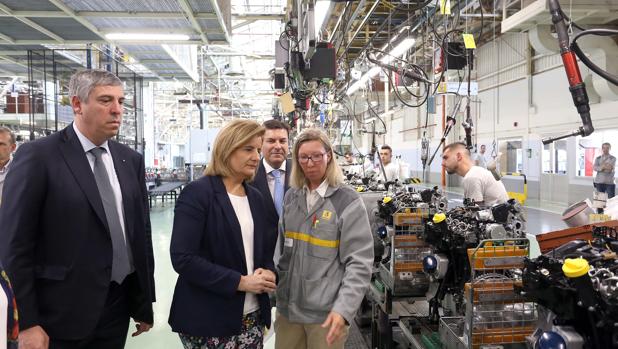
{"x": 273, "y": 175}
{"x": 76, "y": 228}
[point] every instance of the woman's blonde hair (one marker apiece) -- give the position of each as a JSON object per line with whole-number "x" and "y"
{"x": 334, "y": 175}
{"x": 232, "y": 136}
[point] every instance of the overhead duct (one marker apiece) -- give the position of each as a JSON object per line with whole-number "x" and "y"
{"x": 600, "y": 50}
{"x": 542, "y": 40}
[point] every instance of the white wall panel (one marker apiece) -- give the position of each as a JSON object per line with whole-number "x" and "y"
{"x": 502, "y": 60}
{"x": 545, "y": 62}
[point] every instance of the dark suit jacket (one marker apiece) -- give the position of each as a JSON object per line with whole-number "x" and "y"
{"x": 208, "y": 254}
{"x": 272, "y": 217}
{"x": 57, "y": 249}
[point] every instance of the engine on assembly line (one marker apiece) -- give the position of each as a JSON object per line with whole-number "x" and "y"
{"x": 576, "y": 289}
{"x": 401, "y": 216}
{"x": 450, "y": 235}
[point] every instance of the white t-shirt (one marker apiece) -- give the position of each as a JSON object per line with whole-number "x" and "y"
{"x": 482, "y": 160}
{"x": 243, "y": 214}
{"x": 481, "y": 186}
{"x": 392, "y": 172}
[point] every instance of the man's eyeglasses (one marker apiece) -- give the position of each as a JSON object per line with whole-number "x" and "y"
{"x": 316, "y": 158}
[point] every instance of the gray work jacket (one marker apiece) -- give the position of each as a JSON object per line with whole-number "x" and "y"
{"x": 326, "y": 256}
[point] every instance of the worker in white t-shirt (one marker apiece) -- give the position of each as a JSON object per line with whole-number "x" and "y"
{"x": 479, "y": 158}
{"x": 478, "y": 183}
{"x": 391, "y": 168}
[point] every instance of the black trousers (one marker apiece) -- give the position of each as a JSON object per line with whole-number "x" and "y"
{"x": 610, "y": 189}
{"x": 113, "y": 326}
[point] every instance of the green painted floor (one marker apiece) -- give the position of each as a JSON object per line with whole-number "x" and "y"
{"x": 161, "y": 335}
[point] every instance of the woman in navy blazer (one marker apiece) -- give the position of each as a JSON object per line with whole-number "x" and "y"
{"x": 218, "y": 249}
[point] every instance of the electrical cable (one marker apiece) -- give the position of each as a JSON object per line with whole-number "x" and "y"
{"x": 400, "y": 98}
{"x": 582, "y": 56}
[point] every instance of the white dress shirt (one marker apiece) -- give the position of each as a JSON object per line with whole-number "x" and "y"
{"x": 111, "y": 171}
{"x": 3, "y": 172}
{"x": 271, "y": 179}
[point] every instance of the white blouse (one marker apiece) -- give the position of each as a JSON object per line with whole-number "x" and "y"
{"x": 243, "y": 214}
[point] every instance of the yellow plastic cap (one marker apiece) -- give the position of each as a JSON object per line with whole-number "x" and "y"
{"x": 575, "y": 267}
{"x": 438, "y": 217}
{"x": 359, "y": 189}
{"x": 387, "y": 199}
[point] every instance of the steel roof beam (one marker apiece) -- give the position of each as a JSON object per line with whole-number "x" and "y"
{"x": 260, "y": 16}
{"x": 13, "y": 61}
{"x": 242, "y": 24}
{"x": 13, "y": 53}
{"x": 215, "y": 6}
{"x": 157, "y": 61}
{"x": 186, "y": 7}
{"x": 31, "y": 24}
{"x": 7, "y": 38}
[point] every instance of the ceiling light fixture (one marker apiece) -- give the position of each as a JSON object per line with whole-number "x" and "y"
{"x": 146, "y": 37}
{"x": 321, "y": 11}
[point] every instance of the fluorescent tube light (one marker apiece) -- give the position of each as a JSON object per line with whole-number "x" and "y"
{"x": 321, "y": 9}
{"x": 399, "y": 50}
{"x": 146, "y": 37}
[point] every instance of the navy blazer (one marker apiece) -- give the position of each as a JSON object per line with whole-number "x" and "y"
{"x": 208, "y": 254}
{"x": 272, "y": 217}
{"x": 56, "y": 245}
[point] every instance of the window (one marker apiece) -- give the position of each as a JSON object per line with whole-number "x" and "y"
{"x": 588, "y": 148}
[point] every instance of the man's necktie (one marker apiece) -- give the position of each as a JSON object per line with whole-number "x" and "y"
{"x": 121, "y": 265}
{"x": 278, "y": 194}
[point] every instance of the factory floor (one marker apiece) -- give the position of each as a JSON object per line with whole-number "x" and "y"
{"x": 162, "y": 337}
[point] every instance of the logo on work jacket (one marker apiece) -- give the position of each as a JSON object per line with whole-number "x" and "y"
{"x": 327, "y": 215}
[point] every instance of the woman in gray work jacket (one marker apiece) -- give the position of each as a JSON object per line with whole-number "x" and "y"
{"x": 325, "y": 248}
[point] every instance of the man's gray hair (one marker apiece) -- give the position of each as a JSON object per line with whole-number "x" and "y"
{"x": 10, "y": 132}
{"x": 83, "y": 82}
